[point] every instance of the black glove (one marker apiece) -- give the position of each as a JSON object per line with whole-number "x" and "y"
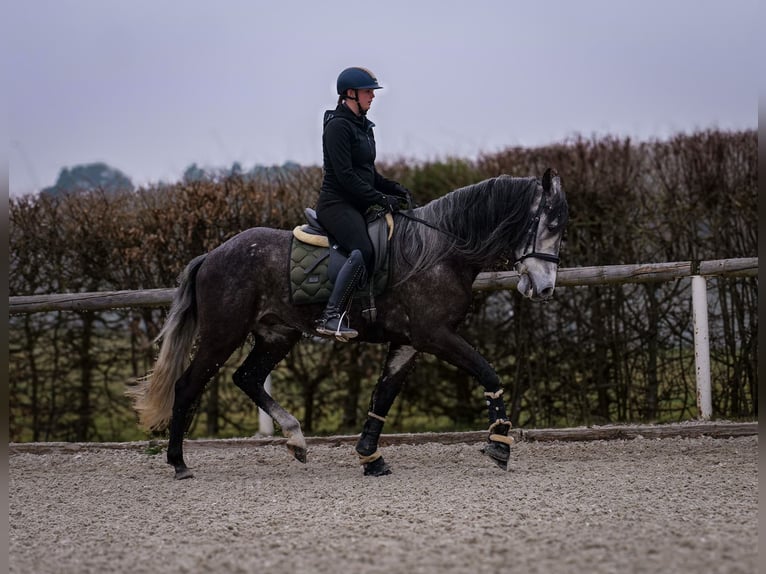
{"x": 401, "y": 191}
{"x": 406, "y": 196}
{"x": 393, "y": 203}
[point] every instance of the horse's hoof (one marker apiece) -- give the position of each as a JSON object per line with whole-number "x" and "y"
{"x": 498, "y": 452}
{"x": 182, "y": 473}
{"x": 298, "y": 452}
{"x": 377, "y": 467}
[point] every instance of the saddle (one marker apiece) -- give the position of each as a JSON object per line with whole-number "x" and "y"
{"x": 315, "y": 261}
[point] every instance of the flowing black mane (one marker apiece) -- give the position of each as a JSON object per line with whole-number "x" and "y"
{"x": 490, "y": 218}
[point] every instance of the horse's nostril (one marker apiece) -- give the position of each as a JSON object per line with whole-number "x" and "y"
{"x": 546, "y": 293}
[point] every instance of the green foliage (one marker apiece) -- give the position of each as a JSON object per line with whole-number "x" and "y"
{"x": 593, "y": 355}
{"x": 153, "y": 448}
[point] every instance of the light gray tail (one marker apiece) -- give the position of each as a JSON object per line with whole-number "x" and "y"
{"x": 153, "y": 395}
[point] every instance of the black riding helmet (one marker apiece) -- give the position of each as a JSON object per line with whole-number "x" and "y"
{"x": 356, "y": 79}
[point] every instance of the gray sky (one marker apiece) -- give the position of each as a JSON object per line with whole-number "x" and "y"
{"x": 151, "y": 86}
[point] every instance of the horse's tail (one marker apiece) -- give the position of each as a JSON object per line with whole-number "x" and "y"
{"x": 154, "y": 394}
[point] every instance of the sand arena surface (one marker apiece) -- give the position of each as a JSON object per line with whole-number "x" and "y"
{"x": 641, "y": 505}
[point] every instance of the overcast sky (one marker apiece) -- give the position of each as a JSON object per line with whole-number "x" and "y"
{"x": 151, "y": 86}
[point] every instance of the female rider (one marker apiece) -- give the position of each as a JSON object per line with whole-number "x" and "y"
{"x": 350, "y": 186}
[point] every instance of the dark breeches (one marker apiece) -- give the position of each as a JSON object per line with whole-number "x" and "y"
{"x": 348, "y": 228}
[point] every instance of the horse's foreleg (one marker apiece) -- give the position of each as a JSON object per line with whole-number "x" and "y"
{"x": 452, "y": 348}
{"x": 266, "y": 354}
{"x": 399, "y": 363}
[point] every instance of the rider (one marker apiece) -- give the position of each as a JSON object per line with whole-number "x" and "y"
{"x": 350, "y": 187}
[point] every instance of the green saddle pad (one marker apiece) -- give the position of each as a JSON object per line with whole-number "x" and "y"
{"x": 309, "y": 280}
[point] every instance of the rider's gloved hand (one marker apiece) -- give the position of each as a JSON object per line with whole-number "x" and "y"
{"x": 393, "y": 203}
{"x": 401, "y": 191}
{"x": 406, "y": 196}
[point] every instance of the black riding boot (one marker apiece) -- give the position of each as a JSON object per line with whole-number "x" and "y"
{"x": 330, "y": 324}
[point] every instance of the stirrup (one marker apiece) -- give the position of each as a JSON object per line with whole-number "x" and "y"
{"x": 340, "y": 333}
{"x": 342, "y": 336}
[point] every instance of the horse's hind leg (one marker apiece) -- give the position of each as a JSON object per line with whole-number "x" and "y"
{"x": 188, "y": 390}
{"x": 399, "y": 363}
{"x": 268, "y": 350}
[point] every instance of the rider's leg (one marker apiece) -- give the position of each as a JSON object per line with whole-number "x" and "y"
{"x": 331, "y": 323}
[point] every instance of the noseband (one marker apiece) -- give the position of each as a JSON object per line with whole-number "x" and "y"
{"x": 532, "y": 239}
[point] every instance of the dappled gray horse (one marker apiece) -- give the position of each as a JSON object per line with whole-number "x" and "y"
{"x": 437, "y": 250}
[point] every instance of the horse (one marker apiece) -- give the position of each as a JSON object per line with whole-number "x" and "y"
{"x": 240, "y": 288}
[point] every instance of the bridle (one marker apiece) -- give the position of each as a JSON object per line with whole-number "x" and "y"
{"x": 532, "y": 239}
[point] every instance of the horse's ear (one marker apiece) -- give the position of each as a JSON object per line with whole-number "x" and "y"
{"x": 551, "y": 180}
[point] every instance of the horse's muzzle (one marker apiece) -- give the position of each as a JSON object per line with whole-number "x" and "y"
{"x": 539, "y": 289}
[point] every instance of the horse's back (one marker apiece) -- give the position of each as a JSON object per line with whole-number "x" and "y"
{"x": 245, "y": 270}
{"x": 255, "y": 246}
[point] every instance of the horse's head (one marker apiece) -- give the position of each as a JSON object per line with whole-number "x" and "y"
{"x": 537, "y": 260}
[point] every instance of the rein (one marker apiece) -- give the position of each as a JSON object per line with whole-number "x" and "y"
{"x": 408, "y": 215}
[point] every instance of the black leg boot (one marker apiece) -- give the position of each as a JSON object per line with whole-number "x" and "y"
{"x": 367, "y": 447}
{"x": 498, "y": 446}
{"x": 331, "y": 323}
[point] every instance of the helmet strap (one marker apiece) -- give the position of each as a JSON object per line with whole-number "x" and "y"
{"x": 355, "y": 97}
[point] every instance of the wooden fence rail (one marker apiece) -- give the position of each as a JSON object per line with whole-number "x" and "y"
{"x": 599, "y": 275}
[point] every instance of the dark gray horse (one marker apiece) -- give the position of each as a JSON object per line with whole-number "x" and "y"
{"x": 437, "y": 251}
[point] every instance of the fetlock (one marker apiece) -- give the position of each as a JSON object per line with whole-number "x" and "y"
{"x": 368, "y": 441}
{"x": 495, "y": 406}
{"x": 499, "y": 431}
{"x": 498, "y": 445}
{"x": 499, "y": 425}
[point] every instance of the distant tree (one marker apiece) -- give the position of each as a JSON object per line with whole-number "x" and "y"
{"x": 194, "y": 173}
{"x": 259, "y": 172}
{"x": 89, "y": 177}
{"x": 262, "y": 173}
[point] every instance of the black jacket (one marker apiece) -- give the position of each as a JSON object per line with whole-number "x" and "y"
{"x": 348, "y": 146}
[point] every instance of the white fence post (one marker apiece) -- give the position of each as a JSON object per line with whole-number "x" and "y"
{"x": 701, "y": 347}
{"x": 265, "y": 422}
